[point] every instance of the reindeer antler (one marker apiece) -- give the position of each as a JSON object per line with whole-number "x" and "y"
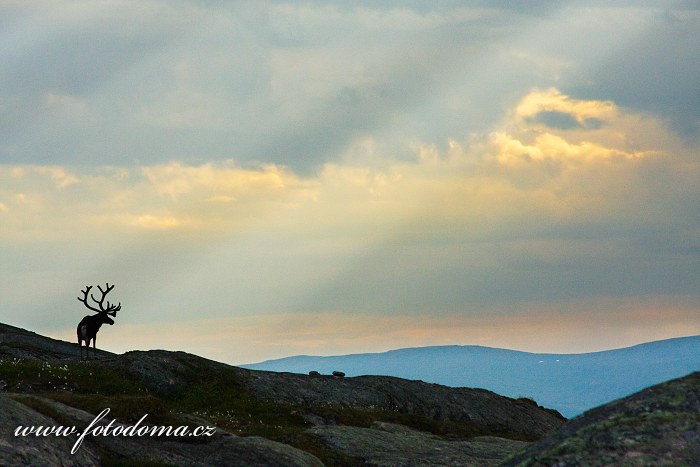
{"x": 108, "y": 309}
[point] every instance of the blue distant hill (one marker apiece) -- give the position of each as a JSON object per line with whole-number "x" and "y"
{"x": 569, "y": 383}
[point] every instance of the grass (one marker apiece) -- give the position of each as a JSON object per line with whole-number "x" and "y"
{"x": 218, "y": 397}
{"x": 37, "y": 376}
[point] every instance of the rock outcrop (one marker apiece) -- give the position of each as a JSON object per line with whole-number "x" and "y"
{"x": 39, "y": 451}
{"x": 20, "y": 343}
{"x": 658, "y": 426}
{"x": 484, "y": 411}
{"x": 387, "y": 444}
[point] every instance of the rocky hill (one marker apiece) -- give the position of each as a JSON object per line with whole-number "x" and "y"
{"x": 260, "y": 418}
{"x": 658, "y": 426}
{"x": 20, "y": 343}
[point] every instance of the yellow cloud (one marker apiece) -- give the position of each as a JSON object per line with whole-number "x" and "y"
{"x": 61, "y": 177}
{"x": 222, "y": 199}
{"x": 473, "y": 187}
{"x": 148, "y": 221}
{"x": 552, "y": 100}
{"x": 510, "y": 151}
{"x": 176, "y": 179}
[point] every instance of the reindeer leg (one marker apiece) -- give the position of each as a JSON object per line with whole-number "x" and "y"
{"x": 94, "y": 347}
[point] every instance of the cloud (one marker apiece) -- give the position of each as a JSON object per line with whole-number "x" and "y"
{"x": 654, "y": 73}
{"x": 538, "y": 102}
{"x": 222, "y": 199}
{"x": 176, "y": 180}
{"x": 148, "y": 221}
{"x": 381, "y": 159}
{"x": 59, "y": 175}
{"x": 549, "y": 147}
{"x": 487, "y": 183}
{"x": 494, "y": 223}
{"x": 296, "y": 85}
{"x": 280, "y": 83}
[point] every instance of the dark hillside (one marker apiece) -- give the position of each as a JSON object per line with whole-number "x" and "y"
{"x": 659, "y": 426}
{"x": 277, "y": 419}
{"x": 20, "y": 343}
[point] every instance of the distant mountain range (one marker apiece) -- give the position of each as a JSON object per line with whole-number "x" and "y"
{"x": 569, "y": 383}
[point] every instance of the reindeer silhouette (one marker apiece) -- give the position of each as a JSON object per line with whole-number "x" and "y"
{"x": 88, "y": 326}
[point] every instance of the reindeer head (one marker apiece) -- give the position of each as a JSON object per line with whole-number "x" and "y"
{"x": 104, "y": 310}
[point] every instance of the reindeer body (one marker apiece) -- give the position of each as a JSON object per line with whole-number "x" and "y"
{"x": 87, "y": 331}
{"x": 88, "y": 326}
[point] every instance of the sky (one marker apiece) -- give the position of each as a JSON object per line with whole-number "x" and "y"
{"x": 263, "y": 179}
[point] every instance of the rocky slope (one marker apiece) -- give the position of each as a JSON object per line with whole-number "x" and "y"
{"x": 221, "y": 449}
{"x": 387, "y": 444}
{"x": 658, "y": 426}
{"x": 478, "y": 410}
{"x": 20, "y": 343}
{"x": 262, "y": 418}
{"x": 284, "y": 419}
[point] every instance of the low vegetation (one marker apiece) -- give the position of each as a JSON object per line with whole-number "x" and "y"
{"x": 299, "y": 411}
{"x": 341, "y": 421}
{"x": 216, "y": 397}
